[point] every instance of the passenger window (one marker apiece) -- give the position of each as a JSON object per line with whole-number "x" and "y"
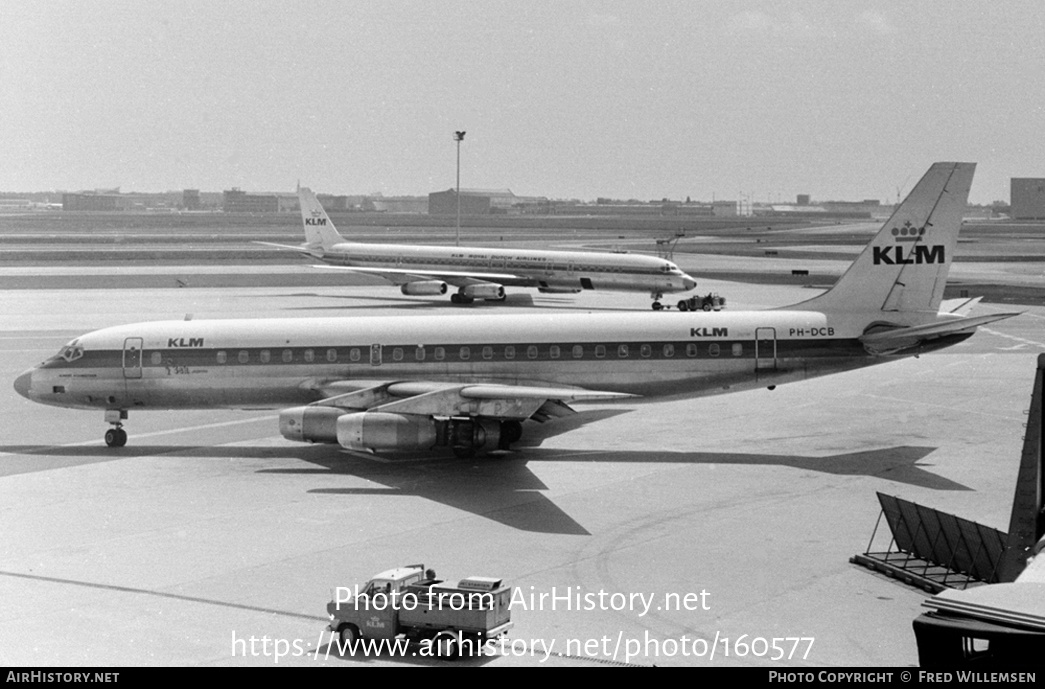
{"x": 244, "y": 356}
{"x": 353, "y": 354}
{"x": 397, "y": 354}
{"x": 157, "y": 358}
{"x": 440, "y": 353}
{"x": 419, "y": 353}
{"x": 265, "y": 356}
{"x": 487, "y": 353}
{"x": 553, "y": 351}
{"x": 738, "y": 349}
{"x": 600, "y": 351}
{"x": 713, "y": 349}
{"x": 509, "y": 352}
{"x": 465, "y": 354}
{"x": 578, "y": 351}
{"x": 309, "y": 355}
{"x": 531, "y": 351}
{"x": 669, "y": 351}
{"x": 222, "y": 357}
{"x": 622, "y": 351}
{"x": 691, "y": 350}
{"x": 645, "y": 351}
{"x": 288, "y": 356}
{"x": 331, "y": 355}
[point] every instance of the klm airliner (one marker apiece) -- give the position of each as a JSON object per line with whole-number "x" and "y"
{"x": 468, "y": 383}
{"x": 480, "y": 273}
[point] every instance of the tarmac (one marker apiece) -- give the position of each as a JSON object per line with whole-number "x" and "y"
{"x": 702, "y": 533}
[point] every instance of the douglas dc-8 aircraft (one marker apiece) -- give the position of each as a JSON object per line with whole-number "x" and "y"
{"x": 419, "y": 383}
{"x": 483, "y": 273}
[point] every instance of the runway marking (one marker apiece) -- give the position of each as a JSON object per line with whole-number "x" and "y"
{"x": 1014, "y": 338}
{"x": 154, "y": 433}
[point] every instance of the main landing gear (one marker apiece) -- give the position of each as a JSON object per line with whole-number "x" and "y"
{"x": 458, "y": 298}
{"x": 115, "y": 436}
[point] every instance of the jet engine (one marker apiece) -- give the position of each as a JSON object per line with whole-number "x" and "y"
{"x": 424, "y": 287}
{"x": 313, "y": 424}
{"x": 388, "y": 432}
{"x": 486, "y": 290}
{"x": 558, "y": 290}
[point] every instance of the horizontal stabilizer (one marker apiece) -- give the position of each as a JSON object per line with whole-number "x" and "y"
{"x": 313, "y": 251}
{"x": 931, "y": 330}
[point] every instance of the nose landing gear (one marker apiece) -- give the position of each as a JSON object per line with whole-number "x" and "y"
{"x": 115, "y": 436}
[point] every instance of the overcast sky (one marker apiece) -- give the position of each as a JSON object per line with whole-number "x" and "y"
{"x": 628, "y": 99}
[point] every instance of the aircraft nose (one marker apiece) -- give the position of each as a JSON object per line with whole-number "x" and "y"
{"x": 23, "y": 383}
{"x": 689, "y": 282}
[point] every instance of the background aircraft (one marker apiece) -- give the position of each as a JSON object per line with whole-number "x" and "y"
{"x": 417, "y": 383}
{"x": 480, "y": 273}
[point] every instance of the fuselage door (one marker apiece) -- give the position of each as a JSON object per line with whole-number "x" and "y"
{"x": 132, "y": 357}
{"x": 765, "y": 349}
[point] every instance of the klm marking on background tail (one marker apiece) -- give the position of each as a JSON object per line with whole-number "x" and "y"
{"x": 904, "y": 268}
{"x": 320, "y": 232}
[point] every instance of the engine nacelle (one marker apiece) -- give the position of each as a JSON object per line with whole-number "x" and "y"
{"x": 313, "y": 424}
{"x": 377, "y": 431}
{"x": 486, "y": 290}
{"x": 424, "y": 287}
{"x": 473, "y": 434}
{"x": 558, "y": 290}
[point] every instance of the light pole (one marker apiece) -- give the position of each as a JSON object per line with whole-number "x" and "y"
{"x": 458, "y": 137}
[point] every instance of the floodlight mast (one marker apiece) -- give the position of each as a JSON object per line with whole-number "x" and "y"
{"x": 458, "y": 137}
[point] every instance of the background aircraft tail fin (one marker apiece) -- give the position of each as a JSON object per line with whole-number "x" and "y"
{"x": 904, "y": 268}
{"x": 319, "y": 230}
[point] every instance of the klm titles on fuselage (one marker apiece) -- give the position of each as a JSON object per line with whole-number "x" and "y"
{"x": 709, "y": 332}
{"x": 178, "y": 342}
{"x": 315, "y": 221}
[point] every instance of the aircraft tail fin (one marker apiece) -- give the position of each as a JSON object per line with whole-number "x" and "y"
{"x": 904, "y": 268}
{"x": 320, "y": 232}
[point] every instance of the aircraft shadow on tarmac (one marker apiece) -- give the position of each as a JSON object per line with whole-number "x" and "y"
{"x": 502, "y": 488}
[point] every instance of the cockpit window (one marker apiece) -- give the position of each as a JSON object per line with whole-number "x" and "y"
{"x": 71, "y": 352}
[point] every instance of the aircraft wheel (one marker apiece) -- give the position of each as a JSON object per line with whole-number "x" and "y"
{"x": 683, "y": 305}
{"x": 116, "y": 437}
{"x": 455, "y": 298}
{"x": 657, "y": 306}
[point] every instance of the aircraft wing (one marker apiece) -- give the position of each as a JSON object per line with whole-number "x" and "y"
{"x": 429, "y": 398}
{"x": 453, "y": 277}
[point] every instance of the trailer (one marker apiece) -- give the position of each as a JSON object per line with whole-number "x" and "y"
{"x": 452, "y": 618}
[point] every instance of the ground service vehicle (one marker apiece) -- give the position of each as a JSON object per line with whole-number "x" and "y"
{"x": 453, "y": 619}
{"x": 709, "y": 302}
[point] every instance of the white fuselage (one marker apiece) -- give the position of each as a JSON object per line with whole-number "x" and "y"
{"x": 553, "y": 270}
{"x": 274, "y": 363}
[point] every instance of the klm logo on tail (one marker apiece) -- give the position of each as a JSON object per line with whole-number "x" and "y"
{"x": 896, "y": 256}
{"x": 317, "y": 219}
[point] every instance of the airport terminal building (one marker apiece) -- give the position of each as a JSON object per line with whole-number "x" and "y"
{"x": 1027, "y": 198}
